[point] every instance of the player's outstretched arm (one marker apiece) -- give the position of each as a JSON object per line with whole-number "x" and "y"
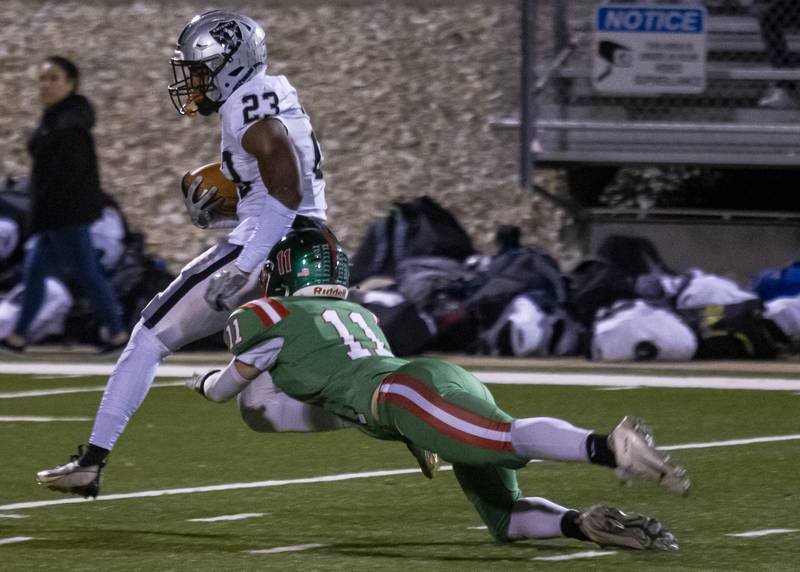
{"x": 223, "y": 385}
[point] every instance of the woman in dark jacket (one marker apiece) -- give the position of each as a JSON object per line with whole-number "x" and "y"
{"x": 65, "y": 186}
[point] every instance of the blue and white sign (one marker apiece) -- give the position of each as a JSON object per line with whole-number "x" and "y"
{"x": 649, "y": 49}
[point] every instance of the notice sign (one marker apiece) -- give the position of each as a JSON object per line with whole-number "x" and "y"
{"x": 649, "y": 49}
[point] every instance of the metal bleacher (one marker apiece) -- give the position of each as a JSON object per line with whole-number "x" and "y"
{"x": 722, "y": 126}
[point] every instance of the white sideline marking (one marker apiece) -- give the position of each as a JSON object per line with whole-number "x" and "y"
{"x": 622, "y": 380}
{"x": 36, "y": 419}
{"x": 576, "y": 555}
{"x": 14, "y": 515}
{"x": 484, "y": 527}
{"x": 65, "y": 390}
{"x": 280, "y": 549}
{"x": 500, "y": 377}
{"x": 241, "y": 516}
{"x": 14, "y": 539}
{"x": 765, "y": 532}
{"x": 342, "y": 477}
{"x": 60, "y": 369}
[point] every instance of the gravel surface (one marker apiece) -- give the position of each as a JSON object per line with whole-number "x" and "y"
{"x": 400, "y": 95}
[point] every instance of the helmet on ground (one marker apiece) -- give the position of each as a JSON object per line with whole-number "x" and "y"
{"x": 306, "y": 262}
{"x": 216, "y": 53}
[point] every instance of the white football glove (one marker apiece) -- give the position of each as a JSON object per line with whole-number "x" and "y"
{"x": 224, "y": 289}
{"x": 199, "y": 208}
{"x": 197, "y": 381}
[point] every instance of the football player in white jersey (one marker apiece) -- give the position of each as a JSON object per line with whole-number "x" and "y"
{"x": 269, "y": 150}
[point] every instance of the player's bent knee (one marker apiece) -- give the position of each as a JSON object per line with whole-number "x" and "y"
{"x": 256, "y": 418}
{"x": 499, "y": 530}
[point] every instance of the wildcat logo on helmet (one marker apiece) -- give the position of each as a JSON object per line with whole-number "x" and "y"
{"x": 229, "y": 35}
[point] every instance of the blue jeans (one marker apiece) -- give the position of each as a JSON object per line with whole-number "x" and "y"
{"x": 69, "y": 247}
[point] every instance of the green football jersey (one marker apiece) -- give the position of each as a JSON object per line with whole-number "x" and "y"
{"x": 333, "y": 352}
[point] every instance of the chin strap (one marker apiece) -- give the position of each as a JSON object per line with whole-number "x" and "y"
{"x": 207, "y": 107}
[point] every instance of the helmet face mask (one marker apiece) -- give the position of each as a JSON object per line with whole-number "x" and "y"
{"x": 192, "y": 81}
{"x": 216, "y": 53}
{"x": 306, "y": 262}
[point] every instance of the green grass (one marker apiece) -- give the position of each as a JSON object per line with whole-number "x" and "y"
{"x": 401, "y": 522}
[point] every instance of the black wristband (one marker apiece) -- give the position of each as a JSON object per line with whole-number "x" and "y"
{"x": 201, "y": 388}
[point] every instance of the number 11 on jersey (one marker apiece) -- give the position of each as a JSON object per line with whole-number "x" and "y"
{"x": 355, "y": 350}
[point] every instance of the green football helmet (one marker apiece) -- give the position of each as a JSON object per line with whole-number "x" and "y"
{"x": 306, "y": 262}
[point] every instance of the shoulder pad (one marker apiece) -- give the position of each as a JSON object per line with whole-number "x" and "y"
{"x": 249, "y": 323}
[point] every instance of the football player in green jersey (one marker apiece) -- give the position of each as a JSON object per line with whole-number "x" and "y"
{"x": 312, "y": 344}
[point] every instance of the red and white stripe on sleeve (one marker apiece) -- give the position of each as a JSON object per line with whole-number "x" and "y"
{"x": 269, "y": 311}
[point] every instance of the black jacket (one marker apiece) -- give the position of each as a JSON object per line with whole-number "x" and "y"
{"x": 64, "y": 177}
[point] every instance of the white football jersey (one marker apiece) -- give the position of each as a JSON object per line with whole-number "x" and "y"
{"x": 263, "y": 96}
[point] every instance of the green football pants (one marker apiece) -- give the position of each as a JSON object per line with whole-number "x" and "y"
{"x": 445, "y": 409}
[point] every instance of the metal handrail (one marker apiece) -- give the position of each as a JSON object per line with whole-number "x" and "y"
{"x": 659, "y": 126}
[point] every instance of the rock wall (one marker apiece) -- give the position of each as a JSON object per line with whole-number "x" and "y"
{"x": 400, "y": 94}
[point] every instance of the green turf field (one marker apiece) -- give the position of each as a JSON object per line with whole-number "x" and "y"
{"x": 390, "y": 522}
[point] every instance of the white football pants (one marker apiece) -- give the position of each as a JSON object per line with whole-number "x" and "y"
{"x": 175, "y": 317}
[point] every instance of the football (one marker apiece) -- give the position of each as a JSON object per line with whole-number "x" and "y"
{"x": 213, "y": 177}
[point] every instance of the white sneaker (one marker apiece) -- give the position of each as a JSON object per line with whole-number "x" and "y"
{"x": 72, "y": 477}
{"x": 634, "y": 451}
{"x": 611, "y": 527}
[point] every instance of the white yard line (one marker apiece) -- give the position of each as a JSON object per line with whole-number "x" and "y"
{"x": 281, "y": 549}
{"x": 765, "y": 532}
{"x": 731, "y": 442}
{"x": 227, "y": 517}
{"x": 214, "y": 488}
{"x": 575, "y": 555}
{"x": 341, "y": 477}
{"x": 38, "y": 419}
{"x": 15, "y": 516}
{"x": 14, "y": 539}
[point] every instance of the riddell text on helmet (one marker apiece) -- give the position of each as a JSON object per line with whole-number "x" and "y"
{"x": 330, "y": 291}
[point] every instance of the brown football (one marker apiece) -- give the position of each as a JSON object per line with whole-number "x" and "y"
{"x": 213, "y": 177}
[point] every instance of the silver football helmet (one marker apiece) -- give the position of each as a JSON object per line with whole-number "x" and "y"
{"x": 216, "y": 53}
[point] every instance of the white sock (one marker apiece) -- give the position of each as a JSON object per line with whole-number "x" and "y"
{"x": 266, "y": 409}
{"x": 549, "y": 438}
{"x": 128, "y": 386}
{"x": 535, "y": 517}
